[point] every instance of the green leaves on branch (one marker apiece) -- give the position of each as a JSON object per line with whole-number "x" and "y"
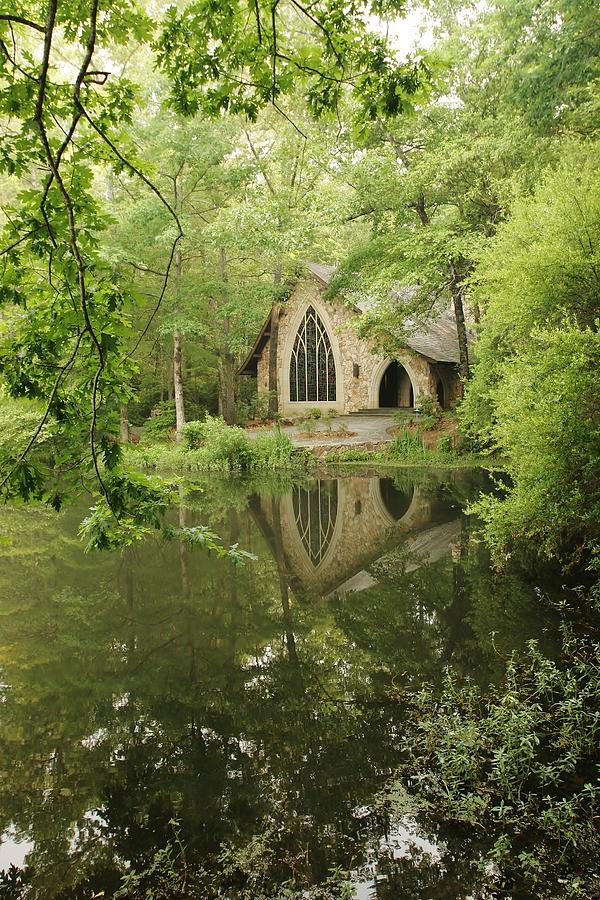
{"x": 534, "y": 393}
{"x": 240, "y": 56}
{"x": 134, "y": 507}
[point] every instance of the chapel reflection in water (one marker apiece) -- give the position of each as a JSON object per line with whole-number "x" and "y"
{"x": 327, "y": 533}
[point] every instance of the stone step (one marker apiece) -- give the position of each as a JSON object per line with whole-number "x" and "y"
{"x": 383, "y": 411}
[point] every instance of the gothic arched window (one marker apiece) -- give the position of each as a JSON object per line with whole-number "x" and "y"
{"x": 315, "y": 511}
{"x": 312, "y": 366}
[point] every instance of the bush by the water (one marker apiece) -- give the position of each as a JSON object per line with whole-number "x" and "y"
{"x": 212, "y": 445}
{"x": 512, "y": 774}
{"x": 161, "y": 424}
{"x": 406, "y": 444}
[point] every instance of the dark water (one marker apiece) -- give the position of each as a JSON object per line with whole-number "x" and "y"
{"x": 255, "y": 704}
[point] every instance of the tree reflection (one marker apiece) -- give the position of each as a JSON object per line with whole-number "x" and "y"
{"x": 159, "y": 685}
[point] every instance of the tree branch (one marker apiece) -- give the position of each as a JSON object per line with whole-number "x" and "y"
{"x": 20, "y": 20}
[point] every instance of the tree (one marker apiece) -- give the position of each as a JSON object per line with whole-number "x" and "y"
{"x": 534, "y": 392}
{"x": 69, "y": 348}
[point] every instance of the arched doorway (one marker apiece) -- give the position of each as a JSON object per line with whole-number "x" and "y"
{"x": 395, "y": 500}
{"x": 440, "y": 394}
{"x": 395, "y": 388}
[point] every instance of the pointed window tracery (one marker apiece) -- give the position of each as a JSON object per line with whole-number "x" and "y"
{"x": 312, "y": 366}
{"x": 315, "y": 511}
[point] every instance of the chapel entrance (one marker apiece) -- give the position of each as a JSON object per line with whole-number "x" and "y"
{"x": 396, "y": 388}
{"x": 396, "y": 501}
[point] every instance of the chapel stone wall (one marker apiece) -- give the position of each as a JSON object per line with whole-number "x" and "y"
{"x": 359, "y": 369}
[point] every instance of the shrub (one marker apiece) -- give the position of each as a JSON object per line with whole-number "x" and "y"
{"x": 259, "y": 408}
{"x": 307, "y": 427}
{"x": 328, "y": 416}
{"x": 18, "y": 421}
{"x": 514, "y": 769}
{"x": 405, "y": 445}
{"x": 314, "y": 413}
{"x": 350, "y": 455}
{"x": 403, "y": 416}
{"x": 228, "y": 445}
{"x": 193, "y": 434}
{"x": 429, "y": 412}
{"x": 445, "y": 444}
{"x": 159, "y": 427}
{"x": 273, "y": 450}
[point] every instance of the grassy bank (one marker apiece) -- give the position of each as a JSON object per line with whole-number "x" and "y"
{"x": 212, "y": 446}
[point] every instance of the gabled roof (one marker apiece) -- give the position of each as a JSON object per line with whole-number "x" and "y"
{"x": 322, "y": 272}
{"x": 250, "y": 364}
{"x": 436, "y": 339}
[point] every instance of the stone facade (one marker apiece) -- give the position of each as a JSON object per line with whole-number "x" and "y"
{"x": 365, "y": 529}
{"x": 359, "y": 370}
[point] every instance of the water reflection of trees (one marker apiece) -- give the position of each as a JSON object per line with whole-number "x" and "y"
{"x": 160, "y": 685}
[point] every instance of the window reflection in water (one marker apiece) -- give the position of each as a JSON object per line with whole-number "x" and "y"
{"x": 315, "y": 512}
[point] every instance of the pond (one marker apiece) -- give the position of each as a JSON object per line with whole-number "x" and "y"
{"x": 159, "y": 697}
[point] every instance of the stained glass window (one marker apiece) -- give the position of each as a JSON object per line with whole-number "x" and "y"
{"x": 312, "y": 366}
{"x": 315, "y": 511}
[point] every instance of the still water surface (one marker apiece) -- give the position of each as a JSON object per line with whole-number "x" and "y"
{"x": 159, "y": 684}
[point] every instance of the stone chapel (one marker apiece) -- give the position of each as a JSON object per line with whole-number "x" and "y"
{"x": 320, "y": 361}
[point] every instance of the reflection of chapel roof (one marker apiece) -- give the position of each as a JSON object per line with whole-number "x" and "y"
{"x": 435, "y": 338}
{"x": 424, "y": 546}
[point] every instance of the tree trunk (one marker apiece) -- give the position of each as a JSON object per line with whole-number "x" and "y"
{"x": 178, "y": 384}
{"x": 419, "y": 206}
{"x": 227, "y": 359}
{"x": 273, "y": 343}
{"x": 124, "y": 423}
{"x": 456, "y": 288}
{"x": 177, "y": 352}
{"x": 227, "y": 387}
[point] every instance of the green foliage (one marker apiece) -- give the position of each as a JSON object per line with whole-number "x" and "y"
{"x": 445, "y": 444}
{"x": 327, "y": 417}
{"x": 111, "y": 523}
{"x": 18, "y": 421}
{"x": 405, "y": 445}
{"x": 518, "y": 766}
{"x": 226, "y": 445}
{"x": 348, "y": 454}
{"x": 429, "y": 412}
{"x": 259, "y": 406}
{"x": 534, "y": 393}
{"x": 211, "y": 445}
{"x": 275, "y": 53}
{"x": 161, "y": 425}
{"x": 273, "y": 450}
{"x": 308, "y": 427}
{"x": 193, "y": 434}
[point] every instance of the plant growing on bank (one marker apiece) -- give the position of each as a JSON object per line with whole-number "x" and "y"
{"x": 308, "y": 427}
{"x": 514, "y": 774}
{"x": 534, "y": 393}
{"x": 405, "y": 445}
{"x": 429, "y": 412}
{"x": 212, "y": 445}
